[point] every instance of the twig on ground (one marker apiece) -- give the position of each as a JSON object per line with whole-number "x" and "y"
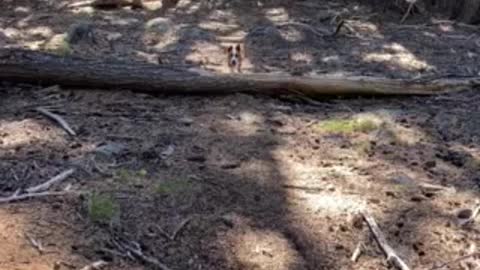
{"x": 57, "y": 118}
{"x": 135, "y": 250}
{"x": 357, "y": 252}
{"x": 338, "y": 28}
{"x": 153, "y": 230}
{"x": 14, "y": 175}
{"x": 95, "y": 265}
{"x": 98, "y": 168}
{"x": 56, "y": 179}
{"x": 175, "y": 232}
{"x": 389, "y": 252}
{"x": 16, "y": 197}
{"x": 455, "y": 260}
{"x": 180, "y": 226}
{"x": 435, "y": 188}
{"x": 409, "y": 10}
{"x": 36, "y": 244}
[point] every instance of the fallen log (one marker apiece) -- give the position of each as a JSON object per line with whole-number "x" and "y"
{"x": 25, "y": 66}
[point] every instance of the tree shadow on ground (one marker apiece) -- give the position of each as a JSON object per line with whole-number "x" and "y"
{"x": 237, "y": 177}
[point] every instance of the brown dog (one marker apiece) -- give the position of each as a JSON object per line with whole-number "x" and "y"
{"x": 234, "y": 54}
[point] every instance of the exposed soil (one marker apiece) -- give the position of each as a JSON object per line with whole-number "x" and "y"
{"x": 256, "y": 182}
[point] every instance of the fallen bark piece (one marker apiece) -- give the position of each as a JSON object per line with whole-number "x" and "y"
{"x": 17, "y": 65}
{"x": 57, "y": 118}
{"x": 389, "y": 252}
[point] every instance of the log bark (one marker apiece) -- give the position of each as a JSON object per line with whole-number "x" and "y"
{"x": 24, "y": 66}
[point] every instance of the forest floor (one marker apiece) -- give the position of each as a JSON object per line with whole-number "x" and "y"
{"x": 241, "y": 181}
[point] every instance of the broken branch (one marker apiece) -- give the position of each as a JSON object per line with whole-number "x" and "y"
{"x": 95, "y": 265}
{"x": 357, "y": 252}
{"x": 56, "y": 179}
{"x": 57, "y": 118}
{"x": 21, "y": 197}
{"x": 389, "y": 252}
{"x": 180, "y": 227}
{"x": 409, "y": 10}
{"x": 36, "y": 244}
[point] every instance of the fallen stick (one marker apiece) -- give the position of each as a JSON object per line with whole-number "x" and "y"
{"x": 136, "y": 251}
{"x": 180, "y": 227}
{"x": 339, "y": 27}
{"x": 389, "y": 252}
{"x": 357, "y": 252}
{"x": 435, "y": 188}
{"x": 95, "y": 265}
{"x": 56, "y": 179}
{"x": 36, "y": 244}
{"x": 57, "y": 118}
{"x": 409, "y": 10}
{"x": 15, "y": 198}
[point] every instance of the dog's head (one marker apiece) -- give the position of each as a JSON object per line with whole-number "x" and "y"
{"x": 234, "y": 55}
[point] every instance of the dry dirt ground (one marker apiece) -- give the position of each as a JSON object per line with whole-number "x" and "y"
{"x": 244, "y": 182}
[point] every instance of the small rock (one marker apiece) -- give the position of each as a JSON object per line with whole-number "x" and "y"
{"x": 110, "y": 149}
{"x": 81, "y": 31}
{"x": 464, "y": 214}
{"x": 390, "y": 194}
{"x": 357, "y": 221}
{"x": 430, "y": 164}
{"x": 167, "y": 152}
{"x": 160, "y": 25}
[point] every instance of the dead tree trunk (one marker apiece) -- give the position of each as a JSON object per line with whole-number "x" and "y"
{"x": 46, "y": 69}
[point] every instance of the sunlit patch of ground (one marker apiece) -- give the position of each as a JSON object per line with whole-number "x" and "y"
{"x": 263, "y": 249}
{"x": 24, "y": 132}
{"x": 48, "y": 226}
{"x": 397, "y": 55}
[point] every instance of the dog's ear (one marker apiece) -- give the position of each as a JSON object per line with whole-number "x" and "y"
{"x": 238, "y": 47}
{"x": 230, "y": 49}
